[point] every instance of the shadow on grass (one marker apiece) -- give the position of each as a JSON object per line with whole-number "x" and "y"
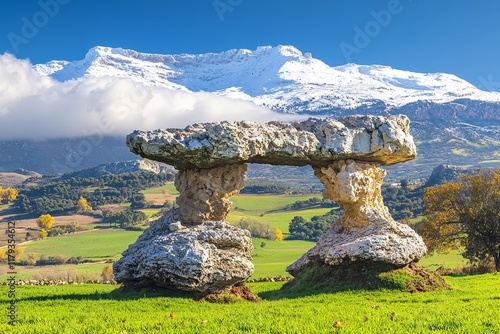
{"x": 11, "y": 214}
{"x": 117, "y": 294}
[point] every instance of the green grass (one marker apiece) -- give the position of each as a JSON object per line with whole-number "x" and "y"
{"x": 149, "y": 212}
{"x": 263, "y": 203}
{"x": 61, "y": 271}
{"x": 5, "y": 206}
{"x": 270, "y": 260}
{"x": 159, "y": 190}
{"x": 270, "y": 209}
{"x": 450, "y": 260}
{"x": 94, "y": 244}
{"x": 416, "y": 219}
{"x": 471, "y": 307}
{"x": 279, "y": 220}
{"x": 275, "y": 256}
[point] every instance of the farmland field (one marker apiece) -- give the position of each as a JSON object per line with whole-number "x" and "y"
{"x": 270, "y": 260}
{"x": 93, "y": 244}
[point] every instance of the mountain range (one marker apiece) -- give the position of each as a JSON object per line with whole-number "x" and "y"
{"x": 453, "y": 122}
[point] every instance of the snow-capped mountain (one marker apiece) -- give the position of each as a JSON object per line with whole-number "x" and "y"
{"x": 281, "y": 78}
{"x": 453, "y": 122}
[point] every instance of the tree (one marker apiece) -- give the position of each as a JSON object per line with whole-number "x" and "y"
{"x": 125, "y": 218}
{"x": 464, "y": 215}
{"x": 45, "y": 221}
{"x": 83, "y": 206}
{"x": 138, "y": 201}
{"x": 31, "y": 259}
{"x": 302, "y": 229}
{"x": 107, "y": 273}
{"x": 256, "y": 228}
{"x": 18, "y": 252}
{"x": 43, "y": 233}
{"x": 7, "y": 195}
{"x": 278, "y": 235}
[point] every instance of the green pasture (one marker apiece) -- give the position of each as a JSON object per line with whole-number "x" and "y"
{"x": 83, "y": 270}
{"x": 275, "y": 256}
{"x": 279, "y": 220}
{"x": 270, "y": 260}
{"x": 5, "y": 206}
{"x": 159, "y": 190}
{"x": 149, "y": 212}
{"x": 264, "y": 203}
{"x": 271, "y": 209}
{"x": 471, "y": 307}
{"x": 94, "y": 244}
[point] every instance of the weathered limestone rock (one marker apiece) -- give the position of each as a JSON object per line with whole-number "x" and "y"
{"x": 204, "y": 193}
{"x": 316, "y": 142}
{"x": 366, "y": 232}
{"x": 356, "y": 187}
{"x": 206, "y": 258}
{"x": 191, "y": 248}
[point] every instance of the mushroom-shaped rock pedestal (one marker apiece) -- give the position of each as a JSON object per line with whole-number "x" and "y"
{"x": 192, "y": 249}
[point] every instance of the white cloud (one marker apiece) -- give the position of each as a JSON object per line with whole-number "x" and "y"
{"x": 39, "y": 107}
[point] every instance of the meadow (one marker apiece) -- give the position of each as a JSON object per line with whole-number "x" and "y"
{"x": 471, "y": 307}
{"x": 270, "y": 260}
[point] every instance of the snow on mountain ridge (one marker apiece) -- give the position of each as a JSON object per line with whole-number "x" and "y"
{"x": 281, "y": 78}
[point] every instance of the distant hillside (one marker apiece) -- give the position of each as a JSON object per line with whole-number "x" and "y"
{"x": 447, "y": 173}
{"x": 61, "y": 155}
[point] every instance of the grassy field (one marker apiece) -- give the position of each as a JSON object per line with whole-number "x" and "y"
{"x": 80, "y": 272}
{"x": 159, "y": 190}
{"x": 275, "y": 256}
{"x": 93, "y": 244}
{"x": 271, "y": 209}
{"x": 471, "y": 307}
{"x": 270, "y": 260}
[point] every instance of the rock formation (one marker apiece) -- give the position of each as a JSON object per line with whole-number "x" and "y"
{"x": 204, "y": 193}
{"x": 315, "y": 142}
{"x": 366, "y": 231}
{"x": 192, "y": 249}
{"x": 204, "y": 258}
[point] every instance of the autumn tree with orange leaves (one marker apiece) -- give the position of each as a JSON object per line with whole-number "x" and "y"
{"x": 464, "y": 215}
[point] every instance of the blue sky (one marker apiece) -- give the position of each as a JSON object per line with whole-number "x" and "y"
{"x": 453, "y": 36}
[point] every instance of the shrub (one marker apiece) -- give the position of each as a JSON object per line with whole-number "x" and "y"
{"x": 257, "y": 229}
{"x": 107, "y": 273}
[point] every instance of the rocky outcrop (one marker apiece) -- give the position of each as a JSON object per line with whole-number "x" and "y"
{"x": 315, "y": 142}
{"x": 206, "y": 258}
{"x": 204, "y": 193}
{"x": 192, "y": 249}
{"x": 446, "y": 173}
{"x": 366, "y": 231}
